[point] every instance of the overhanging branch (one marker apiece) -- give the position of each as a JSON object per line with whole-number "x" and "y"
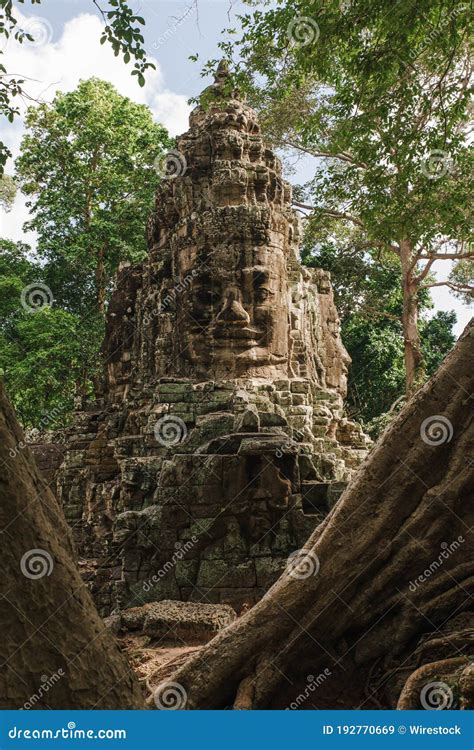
{"x": 332, "y": 214}
{"x": 445, "y": 256}
{"x": 455, "y": 287}
{"x": 343, "y": 156}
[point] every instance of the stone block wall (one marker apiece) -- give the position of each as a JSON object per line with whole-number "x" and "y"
{"x": 217, "y": 441}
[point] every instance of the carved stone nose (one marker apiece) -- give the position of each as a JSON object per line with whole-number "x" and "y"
{"x": 233, "y": 313}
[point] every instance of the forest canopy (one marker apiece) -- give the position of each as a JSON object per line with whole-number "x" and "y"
{"x": 89, "y": 165}
{"x": 199, "y": 518}
{"x": 376, "y": 96}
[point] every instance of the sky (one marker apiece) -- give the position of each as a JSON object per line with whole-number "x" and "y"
{"x": 67, "y": 49}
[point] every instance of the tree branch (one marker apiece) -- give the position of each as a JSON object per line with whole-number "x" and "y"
{"x": 325, "y": 154}
{"x": 425, "y": 271}
{"x": 380, "y": 314}
{"x": 332, "y": 214}
{"x": 445, "y": 256}
{"x": 451, "y": 285}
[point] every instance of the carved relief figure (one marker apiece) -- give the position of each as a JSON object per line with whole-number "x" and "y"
{"x": 219, "y": 425}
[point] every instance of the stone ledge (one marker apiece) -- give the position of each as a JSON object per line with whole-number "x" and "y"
{"x": 174, "y": 621}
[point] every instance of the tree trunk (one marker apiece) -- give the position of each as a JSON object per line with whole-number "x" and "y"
{"x": 391, "y": 564}
{"x": 55, "y": 651}
{"x": 100, "y": 278}
{"x": 413, "y": 354}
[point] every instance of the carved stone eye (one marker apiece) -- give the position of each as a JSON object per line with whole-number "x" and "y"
{"x": 263, "y": 294}
{"x": 261, "y": 291}
{"x": 206, "y": 297}
{"x": 259, "y": 278}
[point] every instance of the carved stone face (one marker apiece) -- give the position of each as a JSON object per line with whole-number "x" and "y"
{"x": 337, "y": 357}
{"x": 232, "y": 314}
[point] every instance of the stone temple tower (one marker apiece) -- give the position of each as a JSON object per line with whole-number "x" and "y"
{"x": 217, "y": 440}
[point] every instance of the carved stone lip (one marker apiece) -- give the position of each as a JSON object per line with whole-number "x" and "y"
{"x": 231, "y": 342}
{"x": 251, "y": 336}
{"x": 258, "y": 355}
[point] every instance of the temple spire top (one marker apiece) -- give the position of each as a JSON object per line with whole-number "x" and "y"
{"x": 222, "y": 73}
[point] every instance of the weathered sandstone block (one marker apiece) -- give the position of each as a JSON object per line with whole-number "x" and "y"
{"x": 222, "y": 390}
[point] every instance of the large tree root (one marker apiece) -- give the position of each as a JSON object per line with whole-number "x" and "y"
{"x": 395, "y": 563}
{"x": 432, "y": 685}
{"x": 55, "y": 650}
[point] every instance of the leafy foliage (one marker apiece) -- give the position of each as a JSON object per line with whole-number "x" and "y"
{"x": 7, "y": 192}
{"x": 47, "y": 356}
{"x": 122, "y": 31}
{"x": 369, "y": 299}
{"x": 378, "y": 93}
{"x": 87, "y": 162}
{"x": 461, "y": 280}
{"x": 377, "y": 374}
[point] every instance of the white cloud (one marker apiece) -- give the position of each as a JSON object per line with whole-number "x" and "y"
{"x": 59, "y": 66}
{"x": 49, "y": 67}
{"x": 77, "y": 54}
